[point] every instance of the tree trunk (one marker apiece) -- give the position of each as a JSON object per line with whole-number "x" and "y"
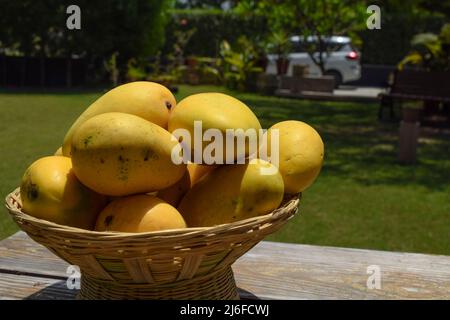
{"x": 322, "y": 67}
{"x": 321, "y": 64}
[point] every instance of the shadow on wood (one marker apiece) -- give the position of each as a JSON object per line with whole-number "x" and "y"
{"x": 247, "y": 295}
{"x": 59, "y": 291}
{"x": 55, "y": 291}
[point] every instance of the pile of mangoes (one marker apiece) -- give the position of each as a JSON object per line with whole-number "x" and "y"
{"x": 131, "y": 163}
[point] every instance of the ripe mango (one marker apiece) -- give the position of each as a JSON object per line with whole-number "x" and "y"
{"x": 119, "y": 154}
{"x": 176, "y": 192}
{"x": 301, "y": 152}
{"x": 139, "y": 213}
{"x": 148, "y": 100}
{"x": 214, "y": 111}
{"x": 198, "y": 171}
{"x": 173, "y": 194}
{"x": 233, "y": 192}
{"x": 50, "y": 190}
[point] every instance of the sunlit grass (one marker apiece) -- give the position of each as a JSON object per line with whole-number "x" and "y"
{"x": 363, "y": 197}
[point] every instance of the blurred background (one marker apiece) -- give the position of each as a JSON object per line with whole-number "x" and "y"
{"x": 376, "y": 87}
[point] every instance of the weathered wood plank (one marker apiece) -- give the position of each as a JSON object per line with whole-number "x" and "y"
{"x": 14, "y": 287}
{"x": 20, "y": 253}
{"x": 269, "y": 271}
{"x": 312, "y": 272}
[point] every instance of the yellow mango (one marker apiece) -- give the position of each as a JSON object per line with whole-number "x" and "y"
{"x": 175, "y": 193}
{"x": 139, "y": 213}
{"x": 119, "y": 154}
{"x": 148, "y": 100}
{"x": 50, "y": 190}
{"x": 301, "y": 152}
{"x": 213, "y": 111}
{"x": 233, "y": 192}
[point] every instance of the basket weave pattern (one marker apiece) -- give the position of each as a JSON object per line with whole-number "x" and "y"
{"x": 193, "y": 263}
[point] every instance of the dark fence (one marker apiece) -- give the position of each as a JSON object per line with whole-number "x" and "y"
{"x": 45, "y": 72}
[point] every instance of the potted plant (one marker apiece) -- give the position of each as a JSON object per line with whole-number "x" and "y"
{"x": 281, "y": 45}
{"x": 260, "y": 47}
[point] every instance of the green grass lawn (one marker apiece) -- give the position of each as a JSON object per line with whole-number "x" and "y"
{"x": 362, "y": 199}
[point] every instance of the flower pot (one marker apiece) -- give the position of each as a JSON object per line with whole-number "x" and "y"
{"x": 262, "y": 63}
{"x": 191, "y": 62}
{"x": 282, "y": 66}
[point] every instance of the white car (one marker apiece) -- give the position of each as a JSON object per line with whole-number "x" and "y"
{"x": 343, "y": 62}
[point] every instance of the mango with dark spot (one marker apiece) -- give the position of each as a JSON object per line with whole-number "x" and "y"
{"x": 148, "y": 100}
{"x": 128, "y": 155}
{"x": 139, "y": 213}
{"x": 50, "y": 190}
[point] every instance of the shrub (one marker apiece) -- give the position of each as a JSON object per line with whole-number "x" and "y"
{"x": 392, "y": 42}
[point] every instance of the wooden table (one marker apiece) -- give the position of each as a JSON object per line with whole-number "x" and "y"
{"x": 271, "y": 270}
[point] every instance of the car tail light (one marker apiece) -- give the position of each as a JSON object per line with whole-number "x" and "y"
{"x": 352, "y": 55}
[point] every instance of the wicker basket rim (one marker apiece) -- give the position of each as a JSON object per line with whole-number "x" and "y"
{"x": 12, "y": 202}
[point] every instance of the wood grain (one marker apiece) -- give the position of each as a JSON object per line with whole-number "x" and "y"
{"x": 14, "y": 287}
{"x": 269, "y": 271}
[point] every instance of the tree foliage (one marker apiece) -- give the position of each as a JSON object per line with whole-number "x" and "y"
{"x": 129, "y": 29}
{"x": 430, "y": 51}
{"x": 319, "y": 18}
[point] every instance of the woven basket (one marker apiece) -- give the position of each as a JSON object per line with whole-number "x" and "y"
{"x": 192, "y": 263}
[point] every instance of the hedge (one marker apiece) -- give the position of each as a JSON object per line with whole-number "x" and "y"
{"x": 211, "y": 27}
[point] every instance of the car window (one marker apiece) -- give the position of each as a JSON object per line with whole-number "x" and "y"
{"x": 334, "y": 46}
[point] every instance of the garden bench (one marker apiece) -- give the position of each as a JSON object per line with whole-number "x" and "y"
{"x": 416, "y": 85}
{"x": 270, "y": 270}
